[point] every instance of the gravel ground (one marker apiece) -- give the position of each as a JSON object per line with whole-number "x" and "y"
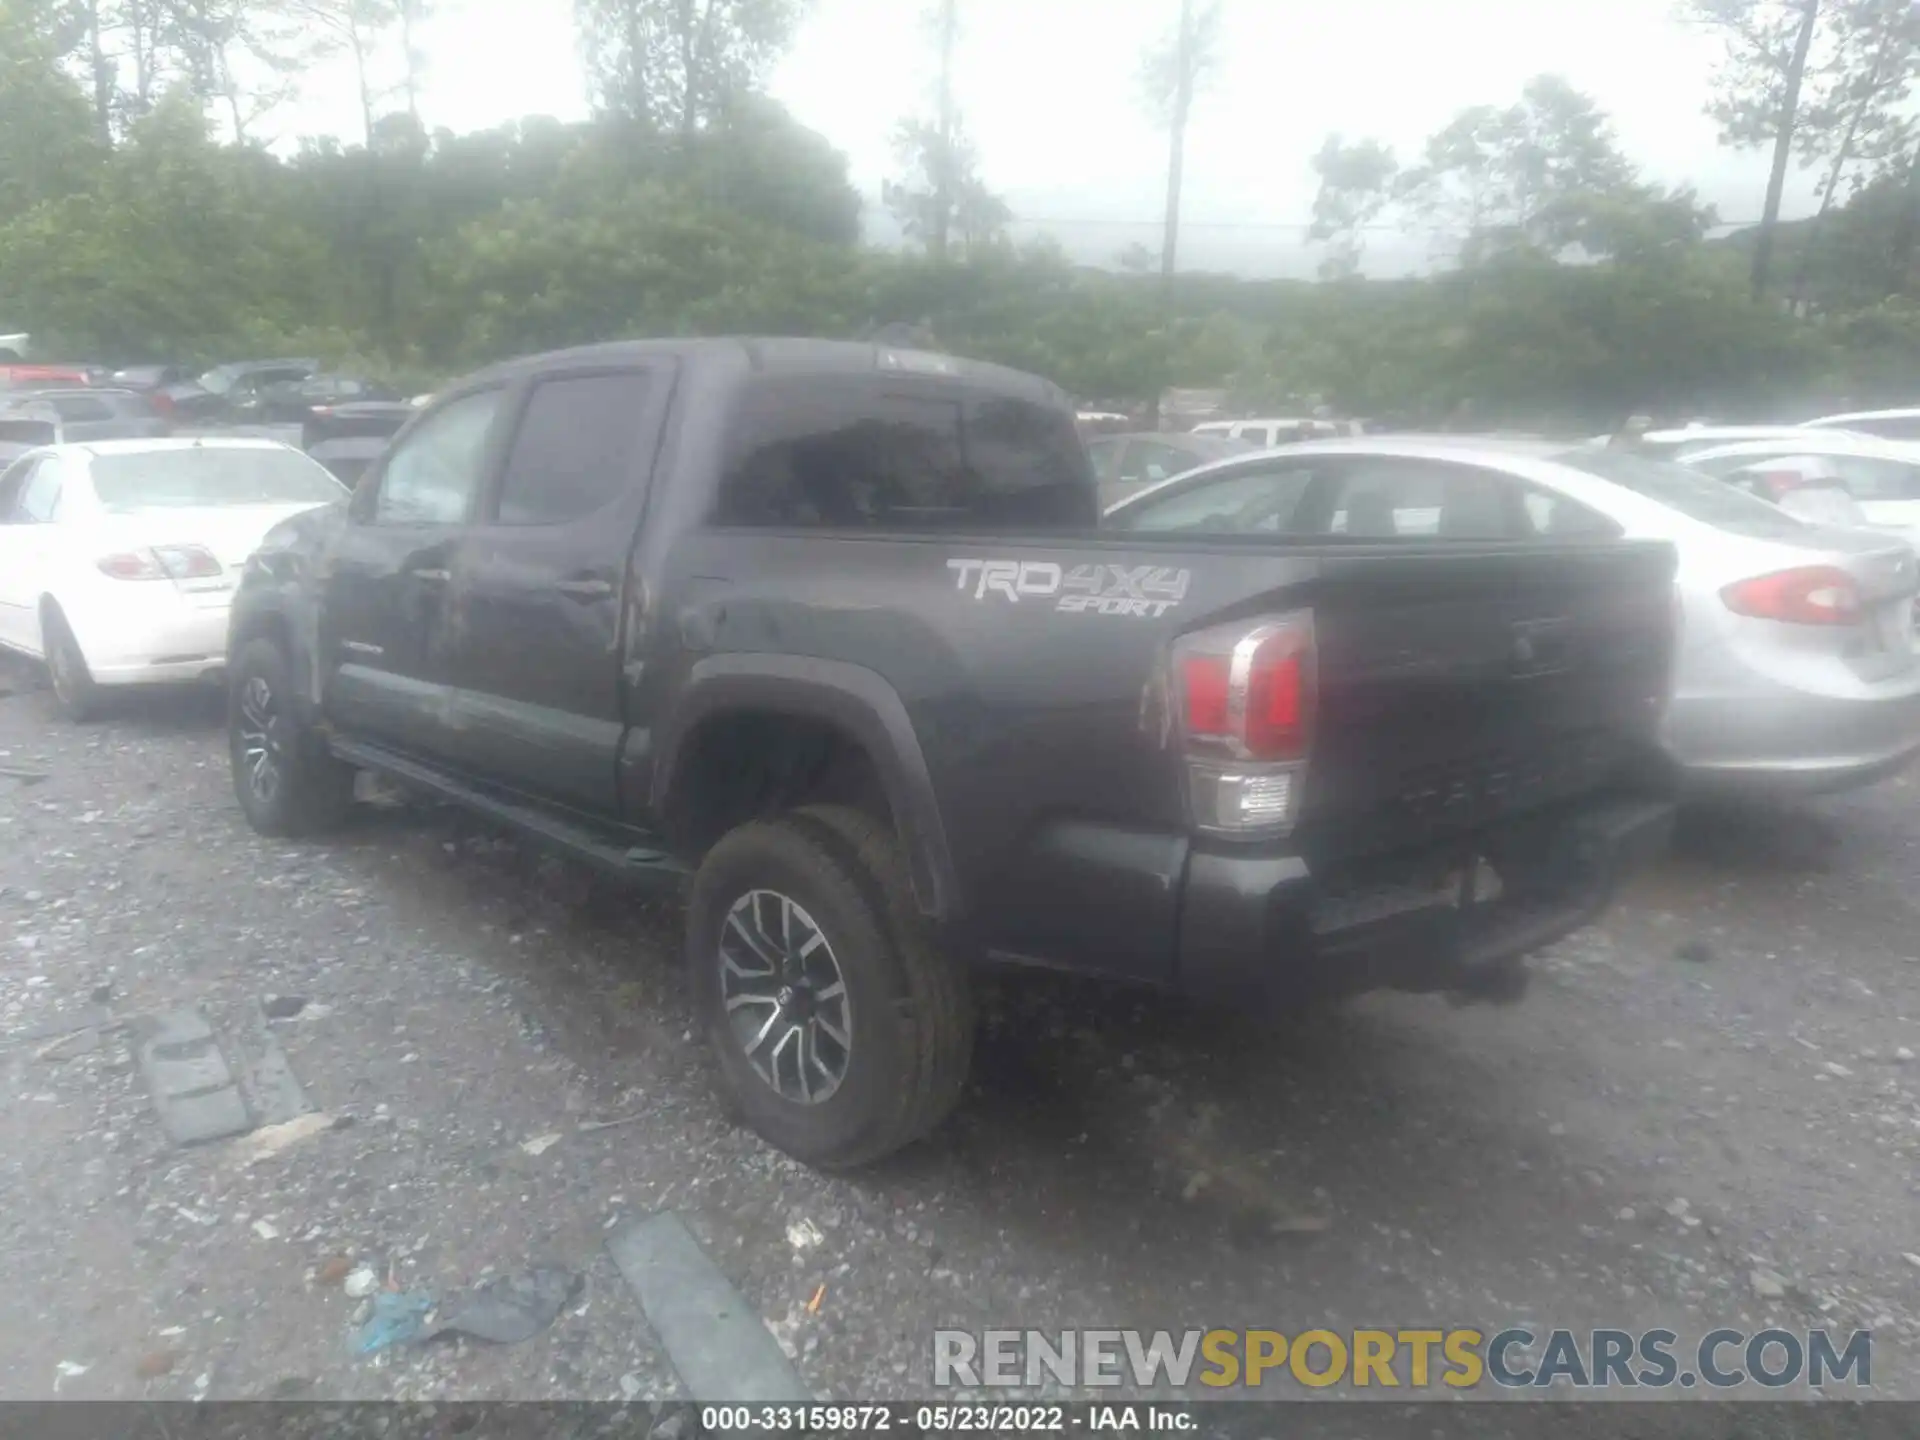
{"x": 1712, "y": 1091}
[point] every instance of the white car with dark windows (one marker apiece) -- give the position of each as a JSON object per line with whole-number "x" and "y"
{"x": 118, "y": 559}
{"x": 1796, "y": 668}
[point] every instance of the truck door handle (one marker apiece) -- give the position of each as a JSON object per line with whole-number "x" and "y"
{"x": 438, "y": 577}
{"x": 585, "y": 589}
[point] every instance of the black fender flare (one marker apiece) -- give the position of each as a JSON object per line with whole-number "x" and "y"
{"x": 859, "y": 702}
{"x": 281, "y": 614}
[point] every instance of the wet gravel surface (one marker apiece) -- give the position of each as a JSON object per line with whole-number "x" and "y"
{"x": 1707, "y": 1112}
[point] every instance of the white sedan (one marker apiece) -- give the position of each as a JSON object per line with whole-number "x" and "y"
{"x": 118, "y": 559}
{"x": 1796, "y": 670}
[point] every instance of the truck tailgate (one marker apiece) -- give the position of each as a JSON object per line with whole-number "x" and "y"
{"x": 1459, "y": 690}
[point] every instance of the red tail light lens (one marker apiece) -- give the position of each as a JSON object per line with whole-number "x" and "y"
{"x": 132, "y": 565}
{"x": 163, "y": 562}
{"x": 1208, "y": 678}
{"x": 1248, "y": 690}
{"x": 1245, "y": 705}
{"x": 1809, "y": 595}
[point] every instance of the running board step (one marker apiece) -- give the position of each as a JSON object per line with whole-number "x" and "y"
{"x": 642, "y": 863}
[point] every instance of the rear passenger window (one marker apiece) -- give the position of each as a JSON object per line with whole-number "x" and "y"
{"x": 855, "y": 455}
{"x": 1248, "y": 502}
{"x": 1392, "y": 498}
{"x": 1554, "y": 515}
{"x": 575, "y": 448}
{"x": 1871, "y": 478}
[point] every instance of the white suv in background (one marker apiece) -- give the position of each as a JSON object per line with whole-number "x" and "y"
{"x": 1265, "y": 434}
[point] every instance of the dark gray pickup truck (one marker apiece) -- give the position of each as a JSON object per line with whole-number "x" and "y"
{"x": 834, "y": 630}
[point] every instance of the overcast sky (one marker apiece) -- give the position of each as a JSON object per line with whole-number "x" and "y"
{"x": 1048, "y": 88}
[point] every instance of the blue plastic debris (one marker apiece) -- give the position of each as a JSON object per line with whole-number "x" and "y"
{"x": 398, "y": 1318}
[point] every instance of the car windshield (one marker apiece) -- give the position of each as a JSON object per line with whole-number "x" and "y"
{"x": 216, "y": 381}
{"x": 169, "y": 479}
{"x": 1698, "y": 497}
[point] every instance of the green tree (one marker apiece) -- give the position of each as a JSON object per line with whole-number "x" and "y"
{"x": 1356, "y": 188}
{"x": 47, "y": 145}
{"x": 1761, "y": 92}
{"x": 678, "y": 64}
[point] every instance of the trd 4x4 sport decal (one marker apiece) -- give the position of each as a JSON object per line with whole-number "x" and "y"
{"x": 1147, "y": 591}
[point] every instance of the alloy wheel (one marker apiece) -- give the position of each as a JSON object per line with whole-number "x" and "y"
{"x": 261, "y": 747}
{"x": 786, "y": 1000}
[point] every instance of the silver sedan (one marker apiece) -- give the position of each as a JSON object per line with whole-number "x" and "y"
{"x": 1796, "y": 668}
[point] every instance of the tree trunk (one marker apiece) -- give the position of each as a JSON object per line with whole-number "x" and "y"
{"x": 1176, "y": 168}
{"x": 102, "y": 77}
{"x": 1842, "y": 156}
{"x": 407, "y": 54}
{"x": 1906, "y": 232}
{"x": 943, "y": 157}
{"x": 360, "y": 77}
{"x": 1783, "y": 149}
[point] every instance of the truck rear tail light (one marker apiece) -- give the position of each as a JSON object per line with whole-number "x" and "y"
{"x": 1808, "y": 595}
{"x": 1245, "y": 704}
{"x": 162, "y": 562}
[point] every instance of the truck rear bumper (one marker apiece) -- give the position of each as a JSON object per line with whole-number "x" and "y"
{"x": 1264, "y": 927}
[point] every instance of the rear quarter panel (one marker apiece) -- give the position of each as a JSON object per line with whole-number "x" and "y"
{"x": 1033, "y": 673}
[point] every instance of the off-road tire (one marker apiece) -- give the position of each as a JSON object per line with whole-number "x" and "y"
{"x": 912, "y": 1017}
{"x": 315, "y": 790}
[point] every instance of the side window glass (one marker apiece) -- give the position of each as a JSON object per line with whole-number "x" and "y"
{"x": 1105, "y": 455}
{"x": 13, "y": 485}
{"x": 1871, "y": 478}
{"x": 575, "y": 448}
{"x": 1552, "y": 515}
{"x": 431, "y": 479}
{"x": 1251, "y": 502}
{"x": 1385, "y": 499}
{"x": 1162, "y": 462}
{"x": 856, "y": 455}
{"x": 40, "y": 496}
{"x": 1025, "y": 468}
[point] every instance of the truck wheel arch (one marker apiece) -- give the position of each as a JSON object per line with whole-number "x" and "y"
{"x": 855, "y": 703}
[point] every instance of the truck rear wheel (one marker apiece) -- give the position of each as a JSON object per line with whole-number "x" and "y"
{"x": 843, "y": 1033}
{"x": 285, "y": 780}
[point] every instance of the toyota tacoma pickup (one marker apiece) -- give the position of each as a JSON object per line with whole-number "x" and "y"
{"x": 830, "y": 634}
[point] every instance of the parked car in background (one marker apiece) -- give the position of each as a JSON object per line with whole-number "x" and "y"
{"x": 25, "y": 429}
{"x": 52, "y": 417}
{"x": 1796, "y": 669}
{"x": 206, "y": 397}
{"x": 150, "y": 377}
{"x": 94, "y": 413}
{"x": 296, "y": 401}
{"x": 1677, "y": 444}
{"x": 1124, "y": 464}
{"x": 19, "y": 379}
{"x": 118, "y": 558}
{"x": 1882, "y": 476}
{"x": 348, "y": 457}
{"x": 1265, "y": 434}
{"x": 1884, "y": 424}
{"x": 377, "y": 418}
